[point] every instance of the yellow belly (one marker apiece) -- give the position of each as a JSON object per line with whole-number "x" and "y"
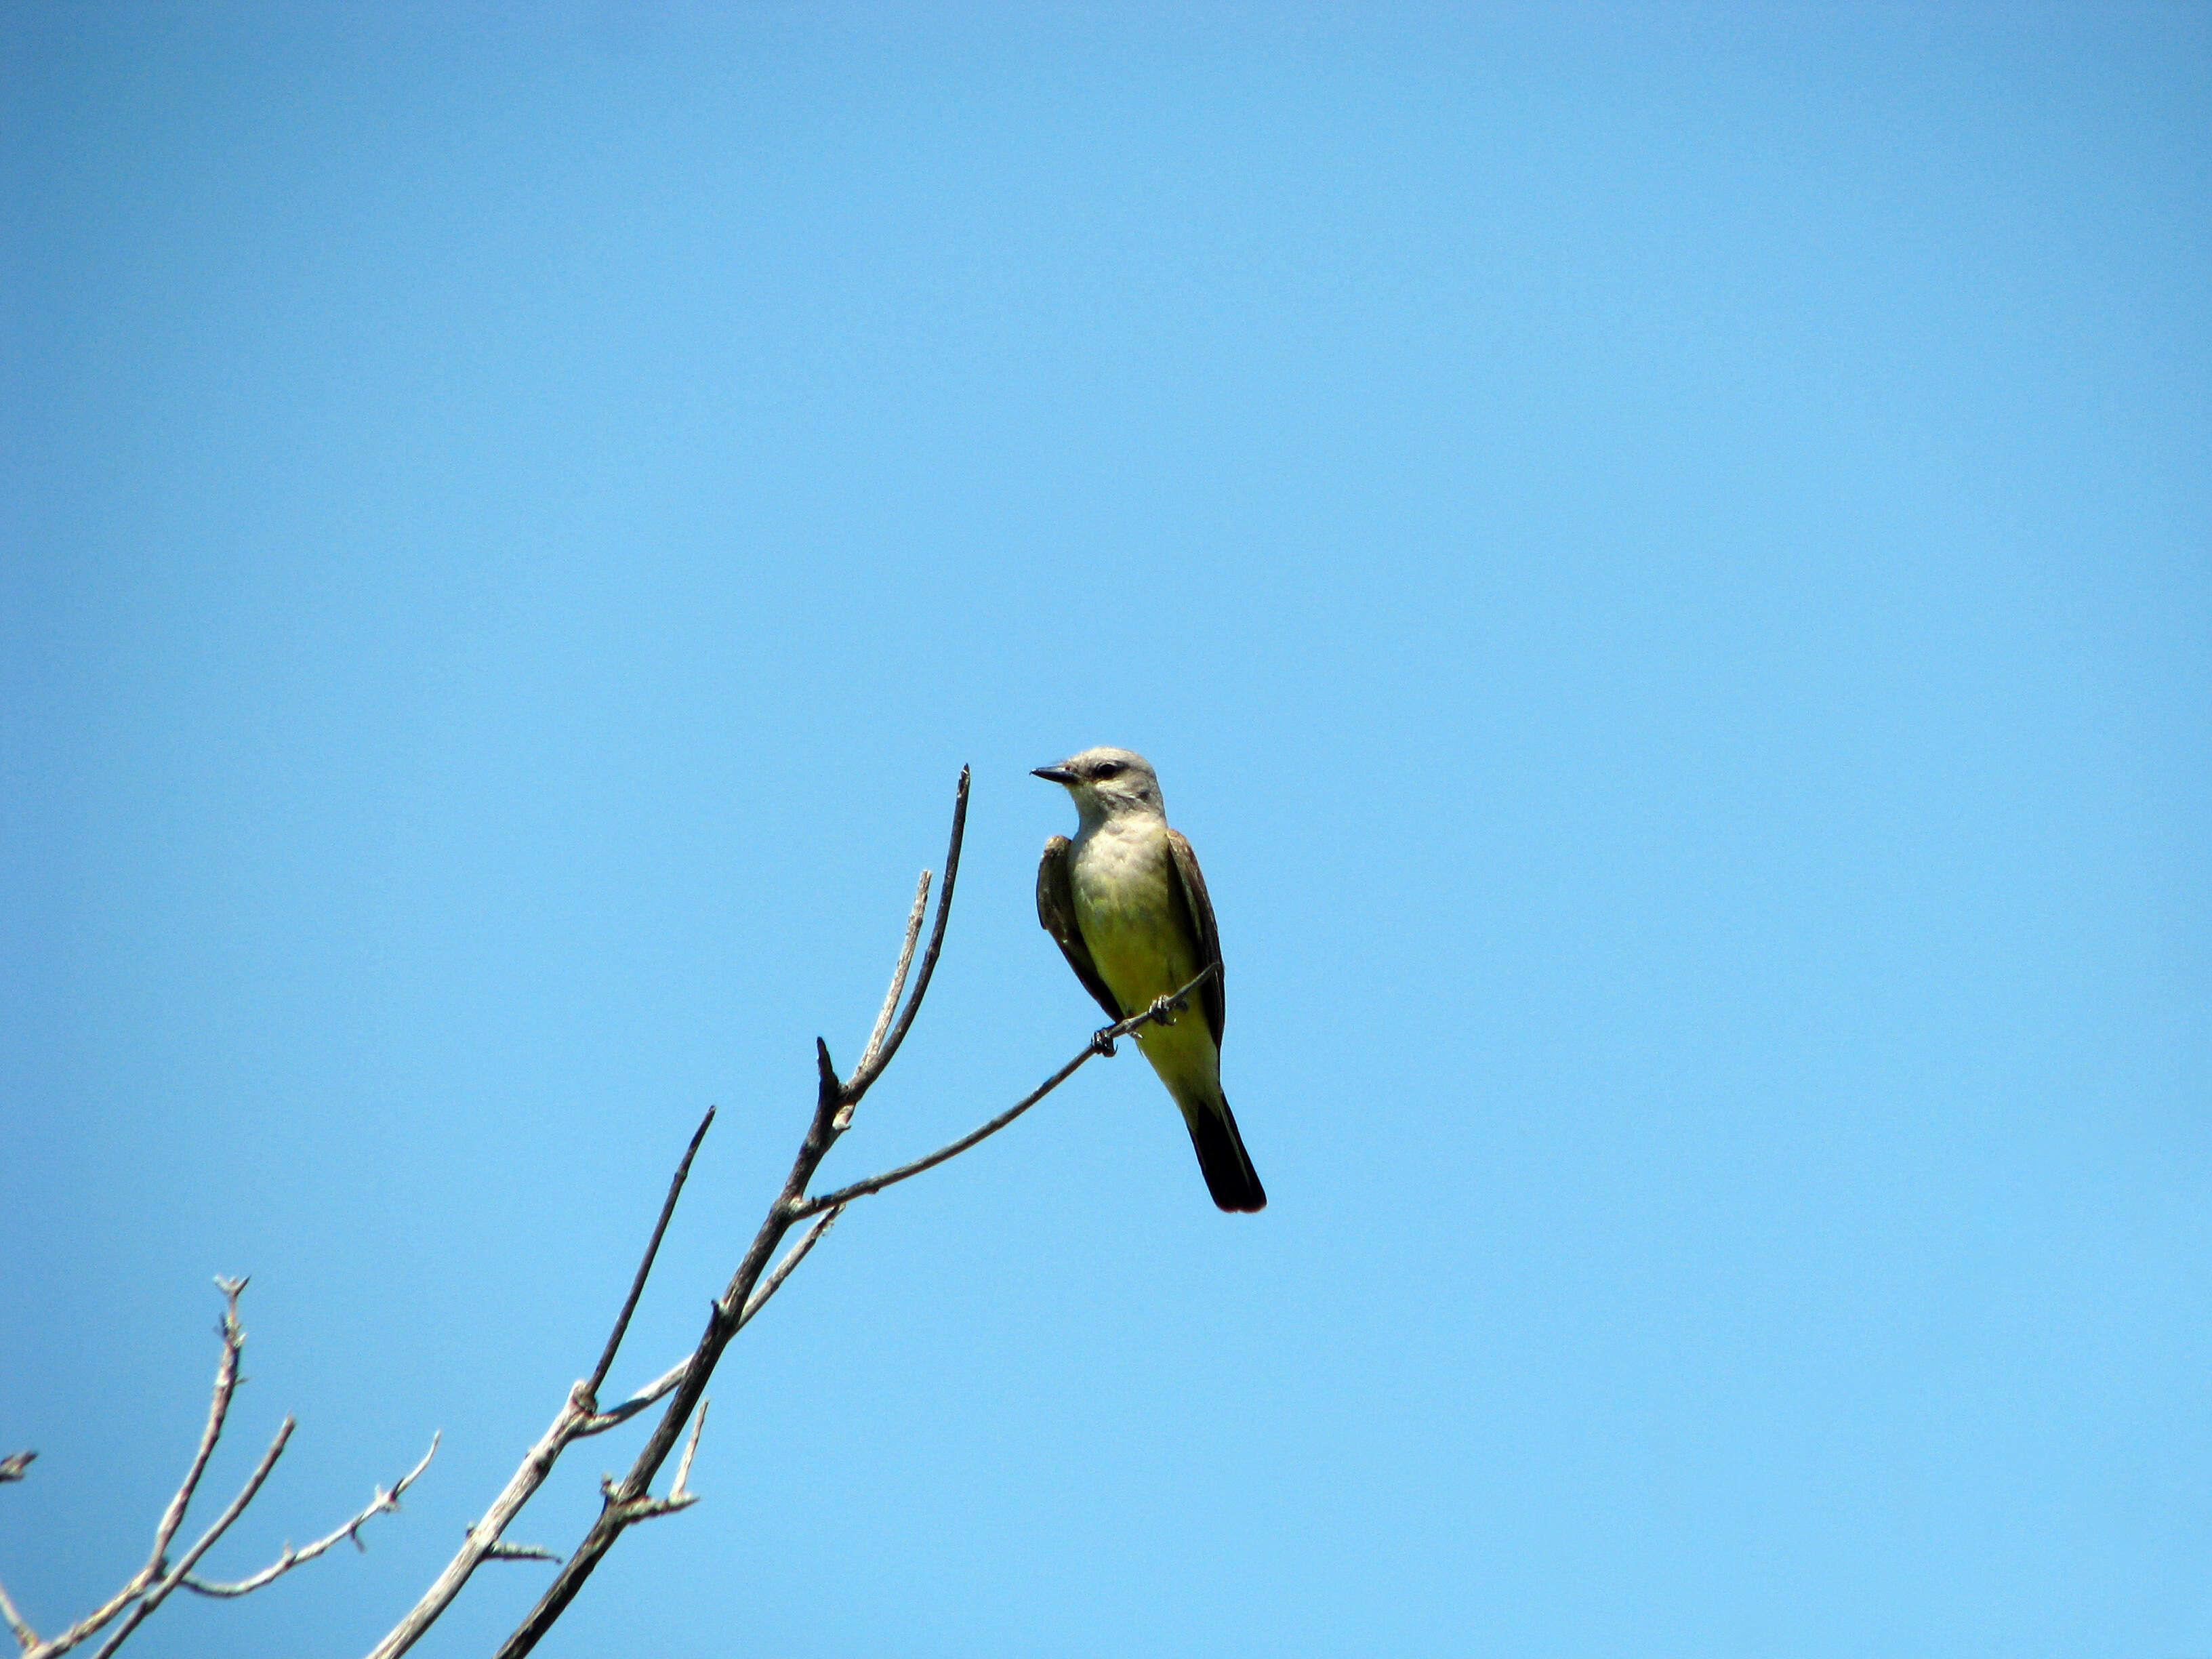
{"x": 1132, "y": 915}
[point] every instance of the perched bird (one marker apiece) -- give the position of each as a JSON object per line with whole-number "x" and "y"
{"x": 1128, "y": 908}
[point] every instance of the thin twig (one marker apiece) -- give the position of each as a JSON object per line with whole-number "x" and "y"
{"x": 154, "y": 1597}
{"x": 796, "y": 1254}
{"x": 154, "y": 1582}
{"x": 898, "y": 975}
{"x": 383, "y": 1502}
{"x": 226, "y": 1384}
{"x": 690, "y": 1450}
{"x": 1100, "y": 1043}
{"x": 866, "y": 1075}
{"x": 645, "y": 1265}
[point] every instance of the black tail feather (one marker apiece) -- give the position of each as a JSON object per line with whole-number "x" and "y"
{"x": 1222, "y": 1159}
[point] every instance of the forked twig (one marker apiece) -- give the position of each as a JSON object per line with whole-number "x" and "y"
{"x": 143, "y": 1607}
{"x": 872, "y": 1067}
{"x": 680, "y": 1495}
{"x": 600, "y": 1422}
{"x": 386, "y": 1500}
{"x": 154, "y": 1582}
{"x": 140, "y": 1582}
{"x": 833, "y": 1113}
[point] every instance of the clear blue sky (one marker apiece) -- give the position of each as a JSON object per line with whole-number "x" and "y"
{"x": 1664, "y": 559}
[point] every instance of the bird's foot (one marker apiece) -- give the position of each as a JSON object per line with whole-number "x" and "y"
{"x": 1165, "y": 1009}
{"x": 1102, "y": 1043}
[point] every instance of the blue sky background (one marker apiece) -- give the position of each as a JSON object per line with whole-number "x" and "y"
{"x": 1662, "y": 557}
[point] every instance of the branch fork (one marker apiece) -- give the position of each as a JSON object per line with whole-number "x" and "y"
{"x": 629, "y": 1500}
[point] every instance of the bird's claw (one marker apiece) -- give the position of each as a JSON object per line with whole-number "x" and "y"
{"x": 1165, "y": 1009}
{"x": 1101, "y": 1041}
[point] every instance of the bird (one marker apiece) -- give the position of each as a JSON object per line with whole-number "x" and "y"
{"x": 1127, "y": 905}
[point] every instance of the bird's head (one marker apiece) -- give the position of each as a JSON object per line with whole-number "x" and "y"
{"x": 1107, "y": 783}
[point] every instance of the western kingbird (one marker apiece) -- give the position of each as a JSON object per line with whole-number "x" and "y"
{"x": 1128, "y": 908}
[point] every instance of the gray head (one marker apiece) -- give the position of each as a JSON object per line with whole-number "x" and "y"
{"x": 1108, "y": 783}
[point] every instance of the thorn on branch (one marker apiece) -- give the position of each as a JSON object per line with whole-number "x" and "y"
{"x": 506, "y": 1552}
{"x": 691, "y": 1448}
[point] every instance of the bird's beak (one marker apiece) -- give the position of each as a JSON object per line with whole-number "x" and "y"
{"x": 1052, "y": 773}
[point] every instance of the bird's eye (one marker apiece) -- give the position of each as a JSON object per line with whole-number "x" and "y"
{"x": 1106, "y": 770}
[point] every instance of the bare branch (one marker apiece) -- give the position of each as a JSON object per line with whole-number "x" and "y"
{"x": 645, "y": 1265}
{"x": 1161, "y": 1012}
{"x": 898, "y": 976}
{"x": 832, "y": 1111}
{"x": 143, "y": 1607}
{"x": 226, "y": 1384}
{"x": 864, "y": 1077}
{"x": 154, "y": 1582}
{"x": 629, "y": 1500}
{"x": 383, "y": 1502}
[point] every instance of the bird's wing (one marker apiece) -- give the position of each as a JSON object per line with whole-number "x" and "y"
{"x": 1056, "y": 911}
{"x": 1201, "y": 927}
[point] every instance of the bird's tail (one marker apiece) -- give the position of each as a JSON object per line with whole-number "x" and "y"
{"x": 1222, "y": 1159}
